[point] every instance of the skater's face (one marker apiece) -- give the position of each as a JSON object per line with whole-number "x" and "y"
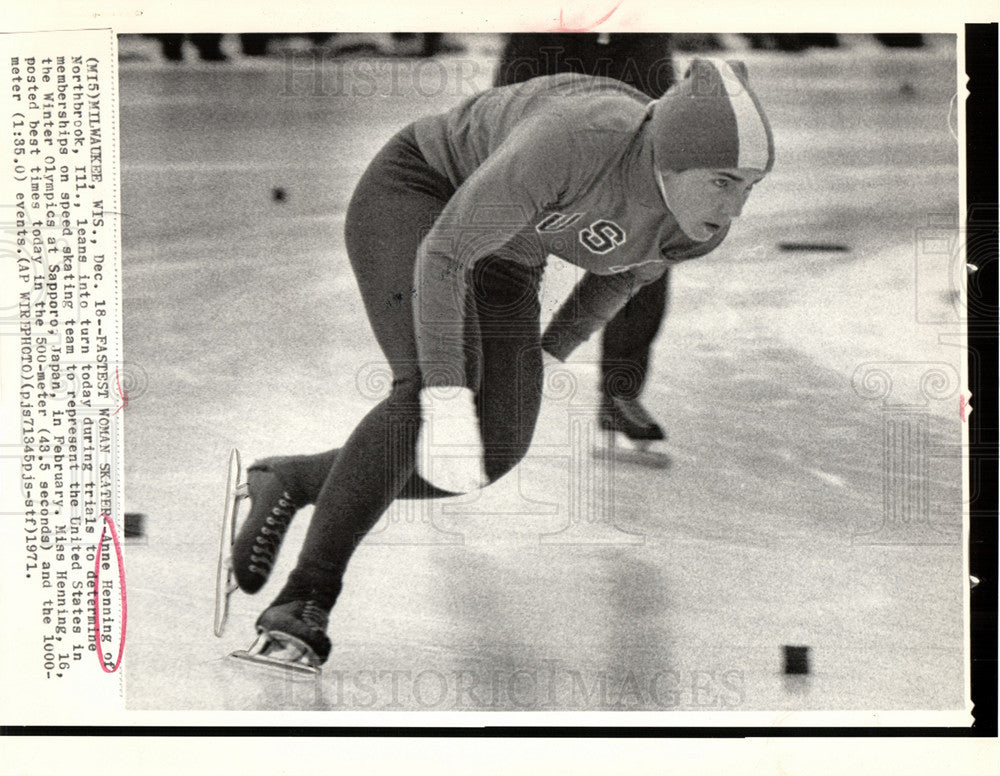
{"x": 706, "y": 200}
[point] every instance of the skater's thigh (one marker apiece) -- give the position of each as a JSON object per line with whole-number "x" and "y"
{"x": 393, "y": 207}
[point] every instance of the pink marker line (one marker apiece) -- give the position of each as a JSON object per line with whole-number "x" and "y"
{"x": 109, "y": 524}
{"x": 122, "y": 394}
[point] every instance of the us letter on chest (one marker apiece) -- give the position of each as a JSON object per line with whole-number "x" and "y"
{"x": 600, "y": 237}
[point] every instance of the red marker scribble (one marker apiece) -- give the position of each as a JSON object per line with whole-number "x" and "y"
{"x": 562, "y": 27}
{"x": 961, "y": 408}
{"x": 121, "y": 393}
{"x": 109, "y": 524}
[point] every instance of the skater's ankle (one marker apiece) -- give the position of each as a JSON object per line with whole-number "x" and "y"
{"x": 287, "y": 484}
{"x": 311, "y": 584}
{"x": 302, "y": 475}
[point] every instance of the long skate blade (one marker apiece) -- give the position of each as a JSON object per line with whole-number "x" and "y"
{"x": 284, "y": 666}
{"x": 280, "y": 651}
{"x": 225, "y": 585}
{"x": 614, "y": 447}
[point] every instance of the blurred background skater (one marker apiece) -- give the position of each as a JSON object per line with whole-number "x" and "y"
{"x": 644, "y": 62}
{"x": 423, "y": 44}
{"x": 791, "y": 42}
{"x": 401, "y": 45}
{"x": 208, "y": 46}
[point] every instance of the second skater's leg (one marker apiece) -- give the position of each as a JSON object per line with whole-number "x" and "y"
{"x": 626, "y": 345}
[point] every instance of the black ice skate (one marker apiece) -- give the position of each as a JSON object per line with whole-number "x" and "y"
{"x": 256, "y": 547}
{"x": 627, "y": 421}
{"x": 246, "y": 560}
{"x": 292, "y": 637}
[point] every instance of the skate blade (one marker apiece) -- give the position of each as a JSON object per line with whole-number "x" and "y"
{"x": 225, "y": 586}
{"x": 265, "y": 661}
{"x": 281, "y": 652}
{"x": 225, "y": 583}
{"x": 642, "y": 452}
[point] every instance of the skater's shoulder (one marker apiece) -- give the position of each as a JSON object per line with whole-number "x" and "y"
{"x": 595, "y": 104}
{"x": 584, "y": 130}
{"x": 572, "y": 85}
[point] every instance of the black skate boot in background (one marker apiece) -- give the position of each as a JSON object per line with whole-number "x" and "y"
{"x": 626, "y": 421}
{"x": 629, "y": 417}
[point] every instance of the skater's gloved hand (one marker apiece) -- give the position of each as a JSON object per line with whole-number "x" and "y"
{"x": 449, "y": 446}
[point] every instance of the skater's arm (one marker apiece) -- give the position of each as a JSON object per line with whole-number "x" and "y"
{"x": 594, "y": 301}
{"x": 528, "y": 173}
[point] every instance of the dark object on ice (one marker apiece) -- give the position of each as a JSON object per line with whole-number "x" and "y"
{"x": 796, "y": 659}
{"x": 135, "y": 525}
{"x": 816, "y": 246}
